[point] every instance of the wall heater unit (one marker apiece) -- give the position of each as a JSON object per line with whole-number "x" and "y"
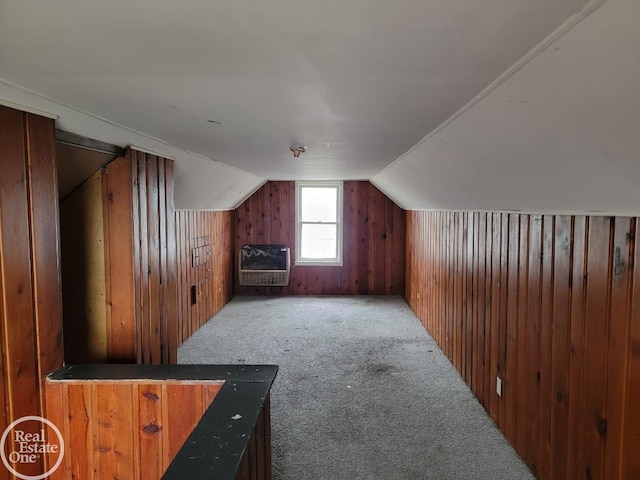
{"x": 264, "y": 265}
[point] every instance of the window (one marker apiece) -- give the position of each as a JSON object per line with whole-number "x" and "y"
{"x": 319, "y": 223}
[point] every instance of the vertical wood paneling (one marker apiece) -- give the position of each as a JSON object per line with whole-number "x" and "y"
{"x": 141, "y": 261}
{"x": 559, "y": 367}
{"x": 80, "y": 400}
{"x": 181, "y": 420}
{"x": 489, "y": 380}
{"x": 256, "y": 461}
{"x": 631, "y": 462}
{"x": 153, "y": 322}
{"x": 502, "y": 326}
{"x": 510, "y": 368}
{"x": 554, "y": 311}
{"x": 373, "y": 237}
{"x": 544, "y": 369}
{"x": 617, "y": 344}
{"x": 456, "y": 321}
{"x": 138, "y": 206}
{"x": 45, "y": 240}
{"x": 532, "y": 347}
{"x": 83, "y": 269}
{"x": 114, "y": 439}
{"x": 596, "y": 331}
{"x": 480, "y": 308}
{"x": 55, "y": 409}
{"x": 210, "y": 234}
{"x": 519, "y": 384}
{"x": 18, "y": 333}
{"x": 450, "y": 279}
{"x": 361, "y": 252}
{"x": 119, "y": 253}
{"x": 266, "y": 421}
{"x": 494, "y": 327}
{"x": 575, "y": 397}
{"x": 30, "y": 314}
{"x": 170, "y": 309}
{"x": 124, "y": 429}
{"x": 470, "y": 306}
{"x": 150, "y": 402}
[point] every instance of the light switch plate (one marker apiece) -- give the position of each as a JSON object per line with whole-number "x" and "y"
{"x": 499, "y": 386}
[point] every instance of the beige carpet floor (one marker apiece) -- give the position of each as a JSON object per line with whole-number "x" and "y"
{"x": 363, "y": 392}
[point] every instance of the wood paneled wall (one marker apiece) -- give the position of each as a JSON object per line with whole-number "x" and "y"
{"x": 126, "y": 428}
{"x": 83, "y": 273}
{"x": 256, "y": 461}
{"x": 30, "y": 313}
{"x": 120, "y": 264}
{"x": 205, "y": 266}
{"x": 551, "y": 305}
{"x": 140, "y": 246}
{"x": 374, "y": 241}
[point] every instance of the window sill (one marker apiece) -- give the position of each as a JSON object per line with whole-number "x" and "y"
{"x": 318, "y": 263}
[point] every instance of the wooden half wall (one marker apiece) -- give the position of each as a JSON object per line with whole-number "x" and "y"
{"x": 30, "y": 313}
{"x": 373, "y": 242}
{"x": 124, "y": 428}
{"x": 160, "y": 421}
{"x": 551, "y": 306}
{"x": 205, "y": 266}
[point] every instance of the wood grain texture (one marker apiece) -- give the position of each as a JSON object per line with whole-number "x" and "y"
{"x": 578, "y": 277}
{"x": 140, "y": 243}
{"x": 207, "y": 237}
{"x": 532, "y": 345}
{"x": 170, "y": 291}
{"x": 523, "y": 331}
{"x": 554, "y": 305}
{"x": 30, "y": 292}
{"x": 18, "y": 325}
{"x": 631, "y": 465}
{"x": 119, "y": 269}
{"x": 480, "y": 308}
{"x": 597, "y": 329}
{"x": 125, "y": 428}
{"x": 83, "y": 270}
{"x": 559, "y": 367}
{"x": 54, "y": 412}
{"x": 510, "y": 367}
{"x": 544, "y": 368}
{"x": 373, "y": 241}
{"x": 618, "y": 340}
{"x": 45, "y": 242}
{"x": 256, "y": 461}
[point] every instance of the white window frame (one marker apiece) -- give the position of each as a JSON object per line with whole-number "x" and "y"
{"x": 338, "y": 185}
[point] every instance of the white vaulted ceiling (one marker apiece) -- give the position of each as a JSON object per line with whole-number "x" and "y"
{"x": 559, "y": 133}
{"x": 396, "y": 92}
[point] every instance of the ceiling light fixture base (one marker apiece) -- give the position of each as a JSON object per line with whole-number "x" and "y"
{"x": 297, "y": 151}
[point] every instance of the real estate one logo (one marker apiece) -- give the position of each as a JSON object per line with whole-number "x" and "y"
{"x": 30, "y": 441}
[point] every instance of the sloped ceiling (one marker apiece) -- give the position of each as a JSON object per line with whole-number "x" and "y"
{"x": 226, "y": 88}
{"x": 560, "y": 133}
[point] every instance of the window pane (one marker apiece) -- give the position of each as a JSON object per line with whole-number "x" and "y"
{"x": 318, "y": 241}
{"x": 319, "y": 204}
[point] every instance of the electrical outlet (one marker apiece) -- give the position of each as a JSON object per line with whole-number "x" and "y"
{"x": 499, "y": 386}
